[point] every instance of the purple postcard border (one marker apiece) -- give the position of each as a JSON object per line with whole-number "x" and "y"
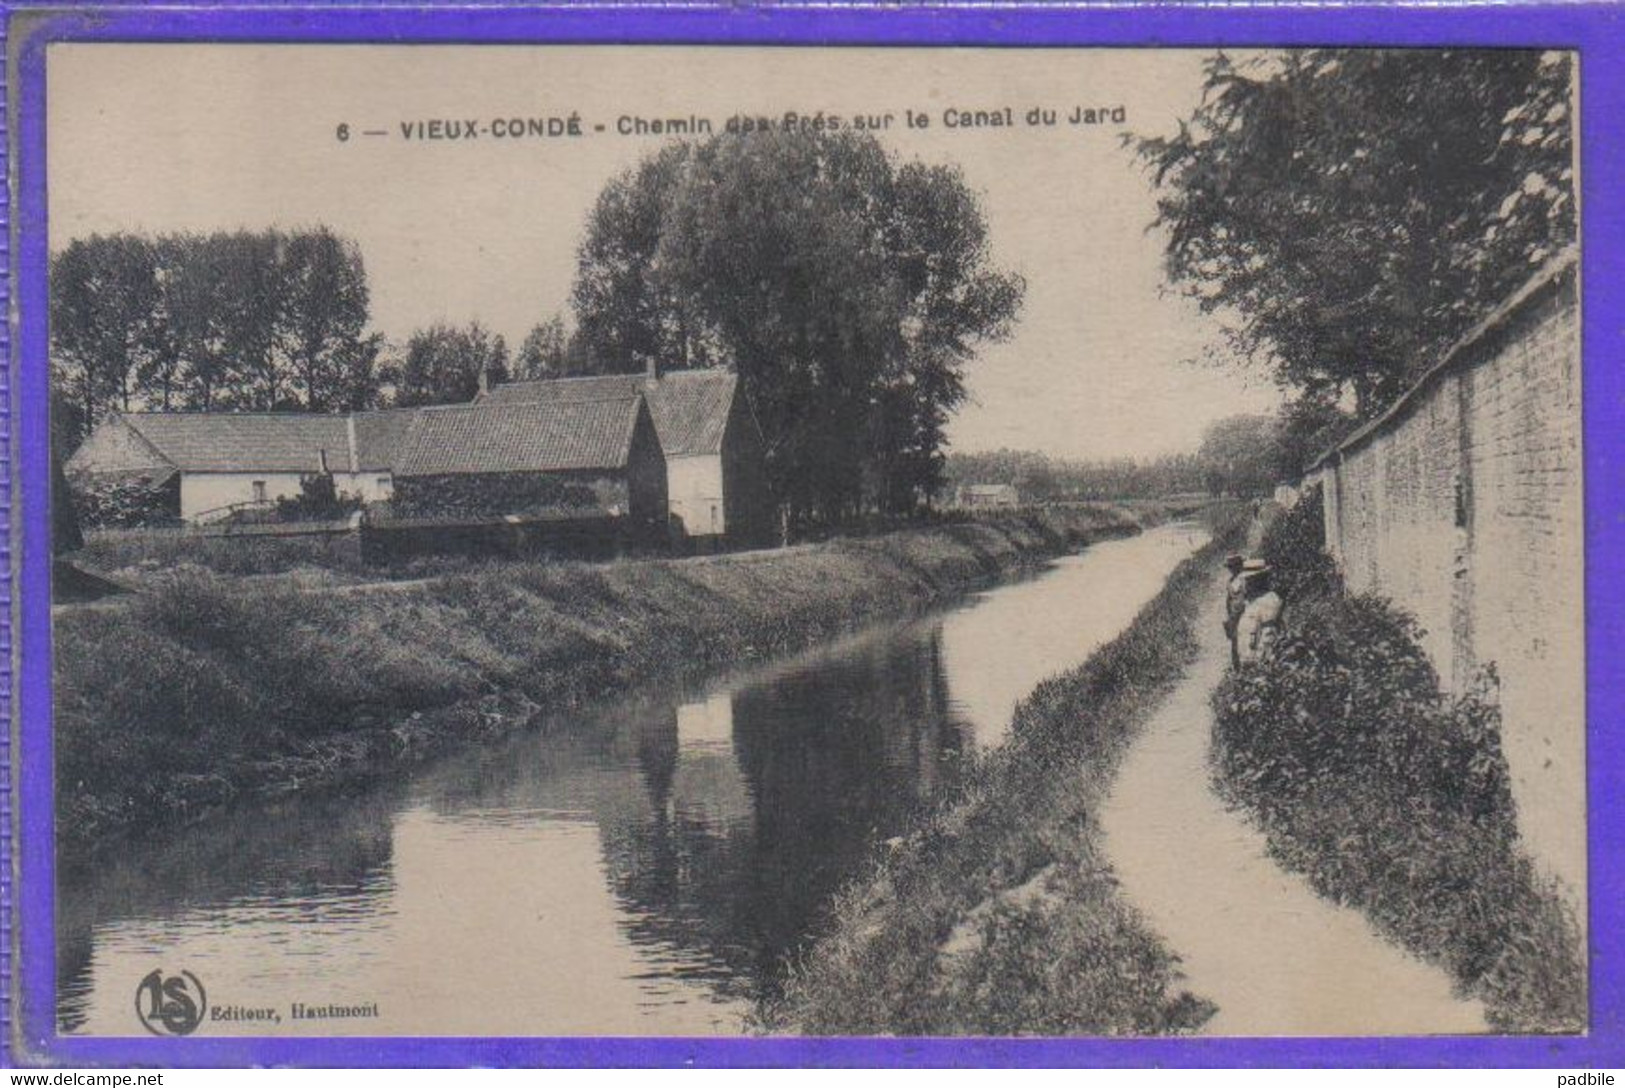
{"x": 1596, "y": 30}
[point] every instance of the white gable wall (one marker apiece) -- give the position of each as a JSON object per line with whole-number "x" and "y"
{"x": 206, "y": 496}
{"x": 209, "y": 495}
{"x": 694, "y": 493}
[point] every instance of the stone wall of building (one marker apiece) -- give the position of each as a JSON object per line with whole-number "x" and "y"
{"x": 1464, "y": 506}
{"x": 520, "y": 494}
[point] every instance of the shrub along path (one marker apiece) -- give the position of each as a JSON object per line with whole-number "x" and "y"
{"x": 1276, "y": 958}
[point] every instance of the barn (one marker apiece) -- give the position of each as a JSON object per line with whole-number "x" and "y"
{"x": 716, "y": 483}
{"x": 588, "y": 459}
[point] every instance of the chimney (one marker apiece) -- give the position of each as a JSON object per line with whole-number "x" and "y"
{"x": 485, "y": 378}
{"x": 651, "y": 370}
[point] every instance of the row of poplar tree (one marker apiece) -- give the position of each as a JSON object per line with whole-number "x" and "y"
{"x": 266, "y": 320}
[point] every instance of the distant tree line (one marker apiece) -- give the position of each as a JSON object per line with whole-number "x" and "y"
{"x": 1350, "y": 213}
{"x": 550, "y": 350}
{"x": 1039, "y": 477}
{"x": 1242, "y": 455}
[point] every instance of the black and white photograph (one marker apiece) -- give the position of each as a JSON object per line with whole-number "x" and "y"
{"x": 698, "y": 540}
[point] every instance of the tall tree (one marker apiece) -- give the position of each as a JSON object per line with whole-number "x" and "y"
{"x": 199, "y": 322}
{"x": 328, "y": 357}
{"x": 1353, "y": 211}
{"x": 545, "y": 352}
{"x": 847, "y": 292}
{"x": 104, "y": 297}
{"x": 442, "y": 364}
{"x": 951, "y": 302}
{"x": 628, "y": 314}
{"x": 249, "y": 306}
{"x": 161, "y": 376}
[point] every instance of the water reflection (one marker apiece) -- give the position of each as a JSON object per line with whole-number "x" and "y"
{"x": 770, "y": 797}
{"x": 827, "y": 782}
{"x": 258, "y": 879}
{"x": 643, "y": 869}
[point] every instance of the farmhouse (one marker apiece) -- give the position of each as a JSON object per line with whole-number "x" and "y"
{"x": 716, "y": 487}
{"x": 205, "y": 465}
{"x": 587, "y": 448}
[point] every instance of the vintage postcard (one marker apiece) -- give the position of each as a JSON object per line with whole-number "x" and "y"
{"x": 720, "y": 540}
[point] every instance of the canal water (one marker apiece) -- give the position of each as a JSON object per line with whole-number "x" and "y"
{"x": 644, "y": 868}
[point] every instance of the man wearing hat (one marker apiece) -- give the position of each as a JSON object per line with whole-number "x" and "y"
{"x": 1260, "y": 623}
{"x": 1235, "y": 602}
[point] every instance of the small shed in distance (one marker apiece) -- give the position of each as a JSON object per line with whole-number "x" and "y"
{"x": 989, "y": 496}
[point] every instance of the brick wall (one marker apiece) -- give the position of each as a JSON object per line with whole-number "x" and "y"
{"x": 1463, "y": 505}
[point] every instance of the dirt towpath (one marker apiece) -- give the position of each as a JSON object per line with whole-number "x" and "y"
{"x": 1275, "y": 957}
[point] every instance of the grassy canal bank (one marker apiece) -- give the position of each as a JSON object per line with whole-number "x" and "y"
{"x": 207, "y": 689}
{"x": 998, "y": 914}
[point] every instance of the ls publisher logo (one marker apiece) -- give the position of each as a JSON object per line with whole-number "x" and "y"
{"x": 171, "y": 1004}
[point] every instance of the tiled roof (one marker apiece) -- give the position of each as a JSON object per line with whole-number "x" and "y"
{"x": 689, "y": 407}
{"x": 274, "y": 441}
{"x": 524, "y": 437}
{"x": 566, "y": 424}
{"x": 690, "y": 410}
{"x": 378, "y": 437}
{"x": 245, "y": 441}
{"x": 564, "y": 390}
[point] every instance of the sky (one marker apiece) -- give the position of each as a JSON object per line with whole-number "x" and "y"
{"x": 171, "y": 137}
